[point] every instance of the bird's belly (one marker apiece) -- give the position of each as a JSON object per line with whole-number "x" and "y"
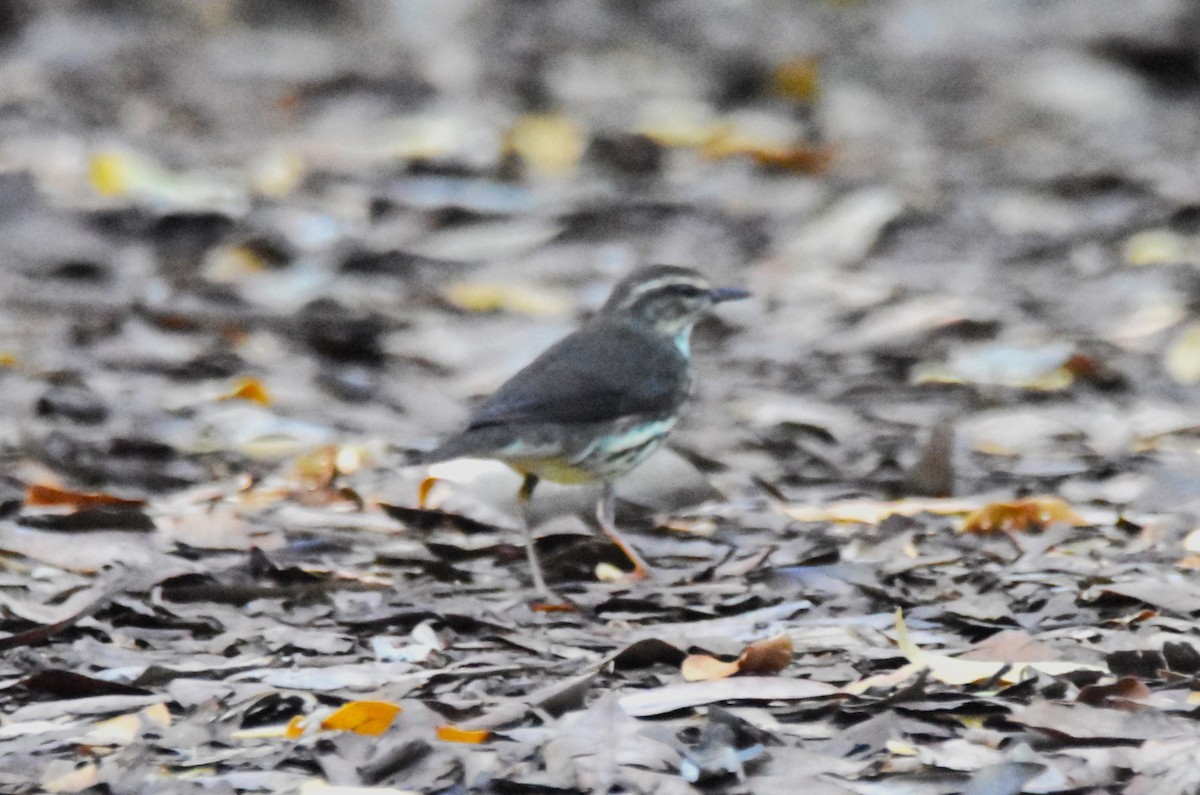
{"x": 614, "y": 454}
{"x": 602, "y": 456}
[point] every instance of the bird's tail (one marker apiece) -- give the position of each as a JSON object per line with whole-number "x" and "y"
{"x": 486, "y": 442}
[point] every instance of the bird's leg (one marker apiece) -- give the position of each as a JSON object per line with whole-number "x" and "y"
{"x": 523, "y": 497}
{"x": 605, "y": 517}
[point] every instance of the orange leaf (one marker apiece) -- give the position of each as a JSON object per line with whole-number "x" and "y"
{"x": 362, "y": 717}
{"x": 295, "y": 728}
{"x": 703, "y": 668}
{"x": 766, "y": 657}
{"x": 1023, "y": 515}
{"x": 250, "y": 389}
{"x": 38, "y": 494}
{"x": 453, "y": 734}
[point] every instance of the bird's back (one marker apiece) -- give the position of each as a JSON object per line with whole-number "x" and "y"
{"x": 609, "y": 376}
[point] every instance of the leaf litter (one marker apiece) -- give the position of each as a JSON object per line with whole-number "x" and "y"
{"x": 928, "y": 526}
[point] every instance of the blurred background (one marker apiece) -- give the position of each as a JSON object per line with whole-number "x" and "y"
{"x": 357, "y": 216}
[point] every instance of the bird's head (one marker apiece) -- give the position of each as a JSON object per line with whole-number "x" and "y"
{"x": 668, "y": 299}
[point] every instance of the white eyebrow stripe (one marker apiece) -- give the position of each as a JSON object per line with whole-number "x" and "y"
{"x": 641, "y": 289}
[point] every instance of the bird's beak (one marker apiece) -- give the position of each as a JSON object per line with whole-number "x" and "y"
{"x": 719, "y": 294}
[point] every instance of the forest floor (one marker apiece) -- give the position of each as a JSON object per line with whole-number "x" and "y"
{"x": 929, "y": 524}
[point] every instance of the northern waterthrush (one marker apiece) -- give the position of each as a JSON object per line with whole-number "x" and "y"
{"x": 599, "y": 402}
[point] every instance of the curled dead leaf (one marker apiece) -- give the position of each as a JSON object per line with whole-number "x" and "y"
{"x": 1124, "y": 694}
{"x": 1032, "y": 514}
{"x": 41, "y": 495}
{"x": 765, "y": 657}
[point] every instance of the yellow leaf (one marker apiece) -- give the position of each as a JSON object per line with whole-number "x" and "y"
{"x": 1182, "y": 358}
{"x": 362, "y": 717}
{"x": 954, "y": 671}
{"x": 250, "y": 389}
{"x": 8, "y": 359}
{"x": 424, "y": 489}
{"x": 522, "y": 299}
{"x": 110, "y": 173}
{"x": 1030, "y": 514}
{"x": 798, "y": 79}
{"x": 549, "y": 143}
{"x": 453, "y": 734}
{"x": 294, "y": 728}
{"x": 1160, "y": 247}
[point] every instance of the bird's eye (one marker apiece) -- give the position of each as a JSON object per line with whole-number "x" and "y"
{"x": 685, "y": 290}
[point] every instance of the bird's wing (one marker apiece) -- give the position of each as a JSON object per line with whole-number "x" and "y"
{"x": 604, "y": 371}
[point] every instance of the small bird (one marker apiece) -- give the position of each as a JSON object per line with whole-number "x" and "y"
{"x": 597, "y": 403}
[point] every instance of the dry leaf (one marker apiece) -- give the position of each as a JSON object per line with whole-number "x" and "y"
{"x": 549, "y": 143}
{"x": 955, "y": 671}
{"x": 875, "y": 511}
{"x": 453, "y": 734}
{"x": 77, "y": 779}
{"x": 683, "y": 695}
{"x": 250, "y": 389}
{"x": 522, "y": 299}
{"x": 1161, "y": 247}
{"x": 125, "y": 729}
{"x": 765, "y": 657}
{"x": 798, "y": 79}
{"x": 110, "y": 173}
{"x": 704, "y": 667}
{"x": 41, "y": 495}
{"x": 1125, "y": 693}
{"x": 1035, "y": 513}
{"x": 362, "y": 717}
{"x": 1182, "y": 357}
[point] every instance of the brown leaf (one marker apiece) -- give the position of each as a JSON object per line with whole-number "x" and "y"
{"x": 766, "y": 657}
{"x": 1121, "y": 694}
{"x": 1023, "y": 515}
{"x": 39, "y": 495}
